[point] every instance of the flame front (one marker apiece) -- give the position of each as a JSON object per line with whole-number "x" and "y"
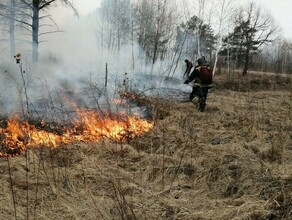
{"x": 90, "y": 127}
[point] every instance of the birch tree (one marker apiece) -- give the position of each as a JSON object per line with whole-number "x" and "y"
{"x": 201, "y": 15}
{"x": 8, "y": 13}
{"x": 155, "y": 27}
{"x": 116, "y": 16}
{"x": 223, "y": 11}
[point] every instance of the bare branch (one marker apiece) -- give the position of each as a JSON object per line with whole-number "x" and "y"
{"x": 27, "y": 3}
{"x": 15, "y": 19}
{"x": 46, "y": 4}
{"x": 50, "y": 32}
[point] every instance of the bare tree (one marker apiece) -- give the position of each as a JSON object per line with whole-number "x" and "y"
{"x": 201, "y": 15}
{"x": 156, "y": 26}
{"x": 280, "y": 57}
{"x": 223, "y": 11}
{"x": 285, "y": 56}
{"x": 7, "y": 11}
{"x": 116, "y": 23}
{"x": 38, "y": 10}
{"x": 253, "y": 28}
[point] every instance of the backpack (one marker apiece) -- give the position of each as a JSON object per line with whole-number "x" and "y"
{"x": 206, "y": 75}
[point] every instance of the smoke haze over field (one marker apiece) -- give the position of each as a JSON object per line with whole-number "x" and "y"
{"x": 73, "y": 61}
{"x": 74, "y": 58}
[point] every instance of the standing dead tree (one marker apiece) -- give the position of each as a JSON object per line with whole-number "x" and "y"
{"x": 28, "y": 15}
{"x": 36, "y": 8}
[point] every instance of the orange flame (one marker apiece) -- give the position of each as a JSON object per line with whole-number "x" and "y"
{"x": 119, "y": 102}
{"x": 19, "y": 136}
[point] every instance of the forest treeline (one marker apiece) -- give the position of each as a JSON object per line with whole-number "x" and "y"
{"x": 229, "y": 35}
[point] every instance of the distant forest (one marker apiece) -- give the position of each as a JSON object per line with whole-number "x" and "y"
{"x": 230, "y": 36}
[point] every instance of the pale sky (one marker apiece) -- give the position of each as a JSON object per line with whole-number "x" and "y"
{"x": 280, "y": 9}
{"x": 86, "y": 6}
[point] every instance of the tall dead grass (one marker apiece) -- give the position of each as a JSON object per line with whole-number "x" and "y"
{"x": 232, "y": 161}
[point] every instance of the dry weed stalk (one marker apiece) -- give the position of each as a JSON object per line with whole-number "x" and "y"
{"x": 12, "y": 188}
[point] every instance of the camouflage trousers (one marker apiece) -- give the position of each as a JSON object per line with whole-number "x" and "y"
{"x": 200, "y": 94}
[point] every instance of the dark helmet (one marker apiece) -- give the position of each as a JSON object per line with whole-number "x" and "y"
{"x": 201, "y": 61}
{"x": 187, "y": 61}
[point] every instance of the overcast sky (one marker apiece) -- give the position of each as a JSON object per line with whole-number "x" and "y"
{"x": 280, "y": 9}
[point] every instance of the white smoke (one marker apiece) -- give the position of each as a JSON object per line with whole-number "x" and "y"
{"x": 71, "y": 62}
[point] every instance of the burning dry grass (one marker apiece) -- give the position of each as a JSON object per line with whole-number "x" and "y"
{"x": 231, "y": 162}
{"x": 19, "y": 136}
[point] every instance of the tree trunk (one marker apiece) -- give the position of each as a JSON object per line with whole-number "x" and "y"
{"x": 35, "y": 33}
{"x": 155, "y": 50}
{"x": 246, "y": 63}
{"x": 12, "y": 28}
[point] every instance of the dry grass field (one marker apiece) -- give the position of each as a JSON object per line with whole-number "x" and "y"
{"x": 233, "y": 161}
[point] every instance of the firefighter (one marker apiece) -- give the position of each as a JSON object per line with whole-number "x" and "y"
{"x": 188, "y": 69}
{"x": 202, "y": 76}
